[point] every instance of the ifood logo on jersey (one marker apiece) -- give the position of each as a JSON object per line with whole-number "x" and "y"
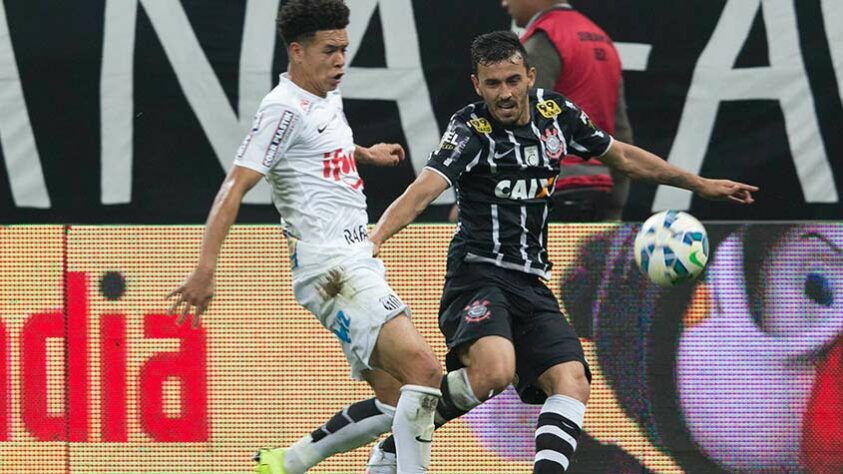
{"x": 103, "y": 363}
{"x": 338, "y": 165}
{"x": 522, "y": 189}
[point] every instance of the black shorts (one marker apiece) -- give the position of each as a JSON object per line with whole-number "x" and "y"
{"x": 484, "y": 300}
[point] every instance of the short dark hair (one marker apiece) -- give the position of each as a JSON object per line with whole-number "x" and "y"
{"x": 299, "y": 20}
{"x": 496, "y": 46}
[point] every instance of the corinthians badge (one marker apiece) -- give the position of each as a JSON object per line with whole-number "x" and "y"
{"x": 477, "y": 311}
{"x": 552, "y": 143}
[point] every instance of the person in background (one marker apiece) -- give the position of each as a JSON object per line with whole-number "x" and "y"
{"x": 575, "y": 57}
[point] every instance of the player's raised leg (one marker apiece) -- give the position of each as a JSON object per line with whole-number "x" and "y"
{"x": 355, "y": 425}
{"x": 489, "y": 367}
{"x": 403, "y": 353}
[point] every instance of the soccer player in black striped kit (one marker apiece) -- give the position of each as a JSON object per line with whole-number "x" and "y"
{"x": 501, "y": 323}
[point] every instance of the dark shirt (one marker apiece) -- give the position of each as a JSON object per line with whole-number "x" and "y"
{"x": 504, "y": 177}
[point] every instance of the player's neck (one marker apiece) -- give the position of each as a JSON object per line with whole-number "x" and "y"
{"x": 304, "y": 81}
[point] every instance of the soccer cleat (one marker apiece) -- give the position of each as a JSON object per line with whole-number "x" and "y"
{"x": 270, "y": 461}
{"x": 381, "y": 462}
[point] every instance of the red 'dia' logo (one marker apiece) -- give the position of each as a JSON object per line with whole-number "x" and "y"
{"x": 477, "y": 311}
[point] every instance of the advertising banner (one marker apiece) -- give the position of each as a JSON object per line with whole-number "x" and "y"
{"x": 738, "y": 372}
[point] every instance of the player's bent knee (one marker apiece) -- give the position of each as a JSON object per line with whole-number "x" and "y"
{"x": 579, "y": 388}
{"x": 420, "y": 367}
{"x": 566, "y": 379}
{"x": 491, "y": 379}
{"x": 429, "y": 372}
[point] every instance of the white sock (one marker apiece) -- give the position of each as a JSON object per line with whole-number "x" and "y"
{"x": 457, "y": 399}
{"x": 352, "y": 427}
{"x": 559, "y": 427}
{"x": 413, "y": 427}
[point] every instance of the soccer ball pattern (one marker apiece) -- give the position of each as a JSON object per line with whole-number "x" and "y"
{"x": 671, "y": 248}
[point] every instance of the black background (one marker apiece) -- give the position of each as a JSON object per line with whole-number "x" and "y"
{"x": 58, "y": 47}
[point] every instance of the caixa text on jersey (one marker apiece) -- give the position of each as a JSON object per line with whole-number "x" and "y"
{"x": 521, "y": 189}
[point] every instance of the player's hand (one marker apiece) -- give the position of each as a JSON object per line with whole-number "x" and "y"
{"x": 726, "y": 190}
{"x": 386, "y": 154}
{"x": 196, "y": 292}
{"x": 376, "y": 248}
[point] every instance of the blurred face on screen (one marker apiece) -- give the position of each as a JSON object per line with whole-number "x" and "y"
{"x": 759, "y": 375}
{"x": 503, "y": 85}
{"x": 318, "y": 62}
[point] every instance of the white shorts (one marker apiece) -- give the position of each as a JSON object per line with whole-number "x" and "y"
{"x": 352, "y": 300}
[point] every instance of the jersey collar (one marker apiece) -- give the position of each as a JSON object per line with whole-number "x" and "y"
{"x": 285, "y": 77}
{"x": 558, "y": 6}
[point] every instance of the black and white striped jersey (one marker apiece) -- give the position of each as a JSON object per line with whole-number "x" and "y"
{"x": 504, "y": 176}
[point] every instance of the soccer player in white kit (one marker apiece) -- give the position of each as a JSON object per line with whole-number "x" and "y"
{"x": 302, "y": 145}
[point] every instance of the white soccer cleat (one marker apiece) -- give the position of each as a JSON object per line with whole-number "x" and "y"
{"x": 381, "y": 462}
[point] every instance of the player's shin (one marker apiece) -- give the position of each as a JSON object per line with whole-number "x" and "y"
{"x": 352, "y": 427}
{"x": 559, "y": 427}
{"x": 413, "y": 427}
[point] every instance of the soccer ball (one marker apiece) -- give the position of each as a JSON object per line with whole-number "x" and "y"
{"x": 671, "y": 248}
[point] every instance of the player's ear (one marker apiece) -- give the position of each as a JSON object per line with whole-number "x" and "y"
{"x": 476, "y": 82}
{"x": 295, "y": 52}
{"x": 531, "y": 77}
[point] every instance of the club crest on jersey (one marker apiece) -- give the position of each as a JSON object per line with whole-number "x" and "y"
{"x": 391, "y": 302}
{"x": 477, "y": 311}
{"x": 481, "y": 125}
{"x": 552, "y": 143}
{"x": 548, "y": 108}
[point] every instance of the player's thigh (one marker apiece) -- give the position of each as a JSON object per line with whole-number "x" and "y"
{"x": 399, "y": 349}
{"x": 470, "y": 313}
{"x": 386, "y": 387}
{"x": 565, "y": 378}
{"x": 544, "y": 339}
{"x": 490, "y": 362}
{"x": 403, "y": 353}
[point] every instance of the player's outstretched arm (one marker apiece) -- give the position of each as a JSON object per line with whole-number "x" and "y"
{"x": 427, "y": 187}
{"x": 198, "y": 288}
{"x": 642, "y": 165}
{"x": 380, "y": 154}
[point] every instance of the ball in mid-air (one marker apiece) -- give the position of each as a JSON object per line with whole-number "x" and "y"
{"x": 671, "y": 248}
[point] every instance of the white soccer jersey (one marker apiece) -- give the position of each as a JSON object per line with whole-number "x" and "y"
{"x": 304, "y": 147}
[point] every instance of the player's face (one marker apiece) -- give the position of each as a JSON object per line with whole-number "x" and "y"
{"x": 321, "y": 59}
{"x": 521, "y": 10}
{"x": 504, "y": 86}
